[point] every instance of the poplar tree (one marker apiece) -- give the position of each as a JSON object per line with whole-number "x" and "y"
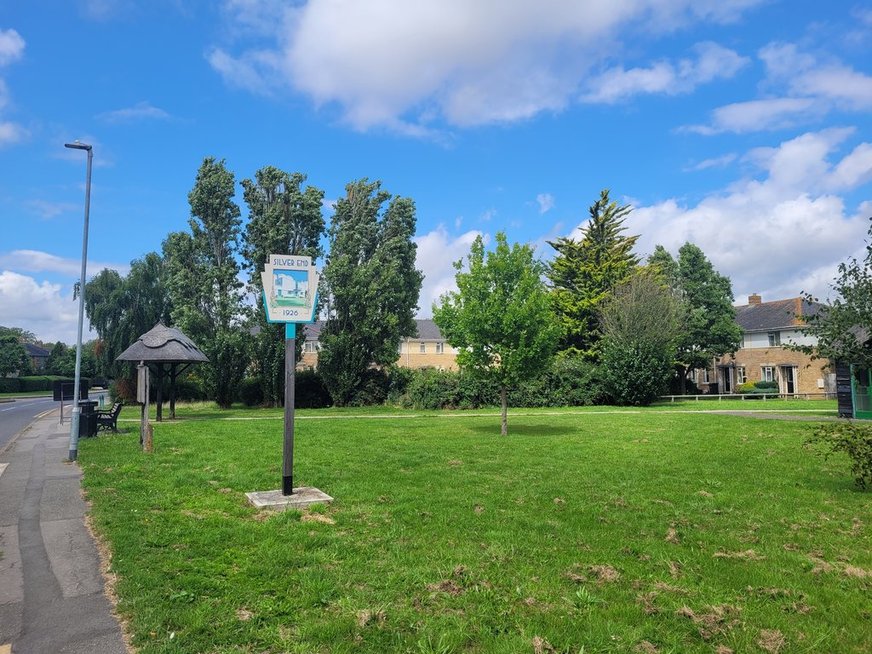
{"x": 370, "y": 287}
{"x": 585, "y": 271}
{"x": 203, "y": 277}
{"x": 283, "y": 218}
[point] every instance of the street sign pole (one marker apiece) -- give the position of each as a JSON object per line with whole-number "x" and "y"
{"x": 288, "y": 449}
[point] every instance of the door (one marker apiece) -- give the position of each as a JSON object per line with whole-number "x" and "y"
{"x": 788, "y": 379}
{"x": 727, "y": 377}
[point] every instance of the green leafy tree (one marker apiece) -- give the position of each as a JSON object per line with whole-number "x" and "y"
{"x": 202, "y": 275}
{"x": 284, "y": 219}
{"x": 641, "y": 326}
{"x": 13, "y": 355}
{"x": 500, "y": 318}
{"x": 843, "y": 326}
{"x": 56, "y": 356}
{"x": 708, "y": 319}
{"x": 370, "y": 285}
{"x": 585, "y": 271}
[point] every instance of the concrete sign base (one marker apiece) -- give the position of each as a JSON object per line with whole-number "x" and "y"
{"x": 299, "y": 499}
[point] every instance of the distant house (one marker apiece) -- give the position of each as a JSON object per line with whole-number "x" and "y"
{"x": 427, "y": 349}
{"x": 38, "y": 356}
{"x": 766, "y": 328}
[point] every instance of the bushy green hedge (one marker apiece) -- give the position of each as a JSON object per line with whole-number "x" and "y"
{"x": 567, "y": 382}
{"x": 251, "y": 391}
{"x": 10, "y": 385}
{"x": 309, "y": 391}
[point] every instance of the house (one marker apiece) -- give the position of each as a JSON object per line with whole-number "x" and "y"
{"x": 37, "y": 355}
{"x": 428, "y": 349}
{"x": 767, "y": 327}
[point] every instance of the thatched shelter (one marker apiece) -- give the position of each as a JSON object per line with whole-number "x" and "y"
{"x": 168, "y": 352}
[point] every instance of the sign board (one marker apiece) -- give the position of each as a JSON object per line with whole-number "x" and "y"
{"x": 290, "y": 288}
{"x": 62, "y": 391}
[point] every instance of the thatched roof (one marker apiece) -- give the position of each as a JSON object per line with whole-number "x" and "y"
{"x": 163, "y": 344}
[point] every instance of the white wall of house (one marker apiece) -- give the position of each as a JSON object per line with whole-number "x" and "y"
{"x": 761, "y": 339}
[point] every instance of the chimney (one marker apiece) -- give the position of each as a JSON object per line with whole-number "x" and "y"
{"x": 754, "y": 299}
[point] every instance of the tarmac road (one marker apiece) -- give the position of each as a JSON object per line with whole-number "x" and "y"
{"x": 16, "y": 415}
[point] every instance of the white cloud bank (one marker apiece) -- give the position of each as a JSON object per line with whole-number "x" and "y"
{"x": 781, "y": 233}
{"x": 401, "y": 65}
{"x": 34, "y": 303}
{"x": 437, "y": 252}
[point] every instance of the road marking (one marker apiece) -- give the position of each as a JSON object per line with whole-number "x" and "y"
{"x": 5, "y": 649}
{"x": 3, "y": 467}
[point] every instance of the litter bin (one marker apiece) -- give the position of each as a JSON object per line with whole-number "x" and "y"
{"x": 87, "y": 418}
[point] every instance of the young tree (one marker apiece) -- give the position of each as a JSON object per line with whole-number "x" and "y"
{"x": 283, "y": 219}
{"x": 585, "y": 271}
{"x": 56, "y": 358}
{"x": 708, "y": 320}
{"x": 202, "y": 274}
{"x": 641, "y": 327}
{"x": 843, "y": 326}
{"x": 500, "y": 318}
{"x": 370, "y": 285}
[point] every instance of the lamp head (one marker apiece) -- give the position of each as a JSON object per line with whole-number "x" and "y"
{"x": 78, "y": 145}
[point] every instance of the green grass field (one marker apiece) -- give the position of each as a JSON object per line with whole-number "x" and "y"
{"x": 661, "y": 530}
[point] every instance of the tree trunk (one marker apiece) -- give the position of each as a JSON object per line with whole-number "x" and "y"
{"x": 504, "y": 424}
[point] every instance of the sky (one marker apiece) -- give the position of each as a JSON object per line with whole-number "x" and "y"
{"x": 744, "y": 126}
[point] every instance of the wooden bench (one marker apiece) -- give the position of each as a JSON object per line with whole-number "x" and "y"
{"x": 109, "y": 419}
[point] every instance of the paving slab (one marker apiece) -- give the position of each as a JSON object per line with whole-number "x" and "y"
{"x": 61, "y": 499}
{"x": 298, "y": 499}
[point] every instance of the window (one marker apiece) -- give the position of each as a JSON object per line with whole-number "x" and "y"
{"x": 423, "y": 348}
{"x": 310, "y": 346}
{"x": 768, "y": 373}
{"x": 740, "y": 374}
{"x": 774, "y": 339}
{"x": 440, "y": 348}
{"x": 705, "y": 376}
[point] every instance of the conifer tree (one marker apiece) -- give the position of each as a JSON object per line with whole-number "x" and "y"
{"x": 585, "y": 271}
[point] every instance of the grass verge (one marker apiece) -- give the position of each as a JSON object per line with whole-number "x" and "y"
{"x": 581, "y": 532}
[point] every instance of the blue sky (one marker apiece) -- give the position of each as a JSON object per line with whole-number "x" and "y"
{"x": 741, "y": 125}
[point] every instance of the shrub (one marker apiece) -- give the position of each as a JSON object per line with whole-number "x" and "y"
{"x": 853, "y": 439}
{"x": 432, "y": 389}
{"x": 310, "y": 391}
{"x": 123, "y": 389}
{"x": 747, "y": 387}
{"x": 767, "y": 385}
{"x": 635, "y": 373}
{"x": 251, "y": 391}
{"x": 45, "y": 382}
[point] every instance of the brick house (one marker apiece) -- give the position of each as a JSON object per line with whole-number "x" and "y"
{"x": 426, "y": 350}
{"x": 767, "y": 327}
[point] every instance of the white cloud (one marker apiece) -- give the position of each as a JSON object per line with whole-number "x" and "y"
{"x": 139, "y": 111}
{"x": 545, "y": 202}
{"x": 809, "y": 90}
{"x": 35, "y": 261}
{"x": 11, "y": 49}
{"x": 780, "y": 233}
{"x": 46, "y": 209}
{"x": 401, "y": 65}
{"x": 437, "y": 252}
{"x": 756, "y": 115}
{"x": 715, "y": 162}
{"x": 43, "y": 308}
{"x": 11, "y": 133}
{"x": 617, "y": 84}
{"x": 11, "y": 46}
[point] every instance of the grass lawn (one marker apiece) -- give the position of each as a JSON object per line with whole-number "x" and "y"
{"x": 584, "y": 531}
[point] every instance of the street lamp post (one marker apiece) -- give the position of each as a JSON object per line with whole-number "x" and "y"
{"x": 77, "y": 409}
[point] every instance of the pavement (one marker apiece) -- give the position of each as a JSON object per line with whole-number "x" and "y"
{"x": 52, "y": 592}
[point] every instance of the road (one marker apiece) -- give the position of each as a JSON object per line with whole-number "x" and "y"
{"x": 15, "y": 416}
